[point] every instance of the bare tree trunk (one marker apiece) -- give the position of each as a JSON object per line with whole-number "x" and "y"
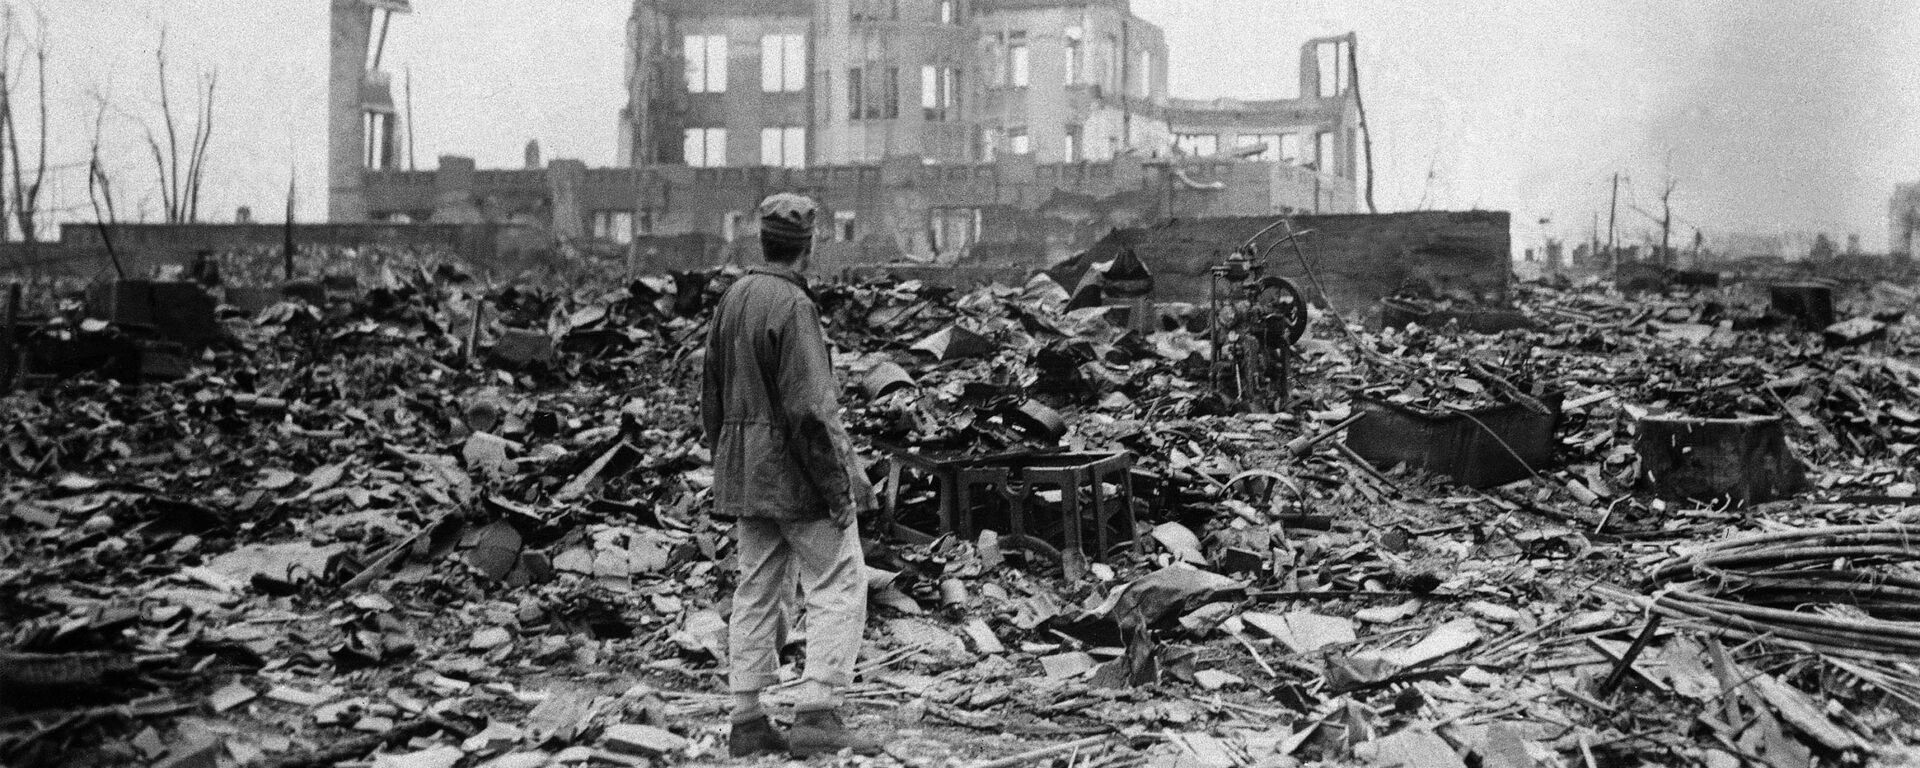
{"x": 172, "y": 177}
{"x": 98, "y": 187}
{"x": 1666, "y": 223}
{"x": 30, "y": 212}
{"x": 26, "y": 194}
{"x": 202, "y": 134}
{"x": 6, "y": 110}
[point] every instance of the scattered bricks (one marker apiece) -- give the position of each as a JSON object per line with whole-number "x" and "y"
{"x": 175, "y": 311}
{"x": 1744, "y": 459}
{"x": 1481, "y": 448}
{"x": 1809, "y": 303}
{"x": 1853, "y": 333}
{"x": 634, "y": 739}
{"x": 521, "y": 347}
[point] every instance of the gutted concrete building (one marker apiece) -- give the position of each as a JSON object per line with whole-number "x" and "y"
{"x": 931, "y": 130}
{"x": 363, "y": 127}
{"x": 1903, "y": 221}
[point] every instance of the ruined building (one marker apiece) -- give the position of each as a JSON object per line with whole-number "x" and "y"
{"x": 1007, "y": 131}
{"x": 1903, "y": 221}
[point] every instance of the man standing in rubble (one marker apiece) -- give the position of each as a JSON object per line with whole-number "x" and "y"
{"x": 785, "y": 470}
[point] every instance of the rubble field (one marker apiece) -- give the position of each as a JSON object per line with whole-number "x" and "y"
{"x": 441, "y": 521}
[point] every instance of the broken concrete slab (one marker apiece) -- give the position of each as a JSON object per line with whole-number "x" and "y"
{"x": 1853, "y": 333}
{"x": 635, "y": 739}
{"x": 1301, "y": 631}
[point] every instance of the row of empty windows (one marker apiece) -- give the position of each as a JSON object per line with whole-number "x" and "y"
{"x": 783, "y": 63}
{"x": 1273, "y": 147}
{"x": 873, "y": 93}
{"x": 786, "y": 146}
{"x": 1012, "y": 63}
{"x": 783, "y": 67}
{"x": 781, "y": 146}
{"x": 944, "y": 11}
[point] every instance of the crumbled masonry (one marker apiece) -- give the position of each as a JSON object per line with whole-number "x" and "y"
{"x": 428, "y": 519}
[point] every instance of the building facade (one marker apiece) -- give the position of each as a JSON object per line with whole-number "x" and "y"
{"x": 931, "y": 130}
{"x": 1903, "y": 221}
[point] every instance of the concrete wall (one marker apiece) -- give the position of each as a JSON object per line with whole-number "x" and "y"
{"x": 1903, "y": 221}
{"x": 1049, "y": 211}
{"x": 145, "y": 248}
{"x": 1358, "y": 258}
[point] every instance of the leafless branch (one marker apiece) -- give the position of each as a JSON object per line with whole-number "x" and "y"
{"x": 99, "y": 187}
{"x": 203, "y": 135}
{"x": 170, "y": 179}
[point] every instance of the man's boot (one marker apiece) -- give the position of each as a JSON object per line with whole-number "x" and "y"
{"x": 754, "y": 737}
{"x": 820, "y": 732}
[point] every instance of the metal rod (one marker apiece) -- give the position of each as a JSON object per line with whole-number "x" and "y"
{"x": 1213, "y": 300}
{"x": 1633, "y": 652}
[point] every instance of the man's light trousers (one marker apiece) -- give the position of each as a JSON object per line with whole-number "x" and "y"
{"x": 825, "y": 561}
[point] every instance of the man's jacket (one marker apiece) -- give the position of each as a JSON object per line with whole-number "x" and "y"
{"x": 769, "y": 408}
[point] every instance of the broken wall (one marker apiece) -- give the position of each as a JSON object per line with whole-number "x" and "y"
{"x": 1359, "y": 258}
{"x": 145, "y": 248}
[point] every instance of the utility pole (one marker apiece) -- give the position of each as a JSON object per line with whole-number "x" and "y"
{"x": 1593, "y": 247}
{"x": 287, "y": 246}
{"x": 1666, "y": 224}
{"x": 1613, "y": 214}
{"x": 409, "y": 98}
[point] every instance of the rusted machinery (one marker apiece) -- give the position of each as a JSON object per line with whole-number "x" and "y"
{"x": 1256, "y": 320}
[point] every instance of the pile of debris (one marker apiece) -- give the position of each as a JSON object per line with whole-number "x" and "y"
{"x": 429, "y": 521}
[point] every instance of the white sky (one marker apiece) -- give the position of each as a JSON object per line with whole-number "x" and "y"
{"x": 1769, "y": 114}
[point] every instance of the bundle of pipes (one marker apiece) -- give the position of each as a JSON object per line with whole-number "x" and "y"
{"x": 1845, "y": 590}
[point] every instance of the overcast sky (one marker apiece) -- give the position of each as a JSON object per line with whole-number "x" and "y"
{"x": 1768, "y": 115}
